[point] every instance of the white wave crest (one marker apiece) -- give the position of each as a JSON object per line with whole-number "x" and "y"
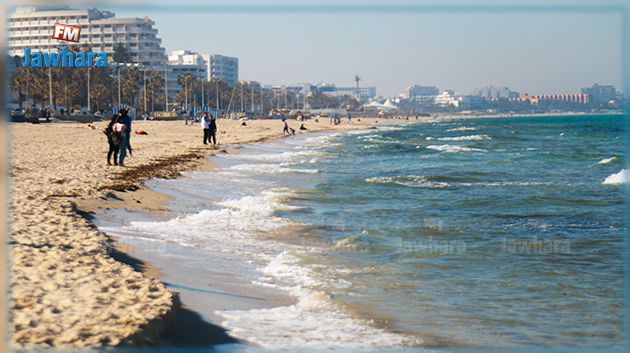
{"x": 463, "y": 128}
{"x": 314, "y": 321}
{"x": 270, "y": 169}
{"x": 454, "y": 149}
{"x": 416, "y": 181}
{"x": 607, "y": 160}
{"x": 466, "y": 138}
{"x": 617, "y": 178}
{"x": 239, "y": 226}
{"x": 276, "y": 157}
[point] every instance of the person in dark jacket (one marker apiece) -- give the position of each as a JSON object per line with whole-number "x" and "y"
{"x": 213, "y": 130}
{"x": 205, "y": 124}
{"x": 126, "y": 120}
{"x": 113, "y": 139}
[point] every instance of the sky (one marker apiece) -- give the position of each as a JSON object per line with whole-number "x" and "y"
{"x": 534, "y": 52}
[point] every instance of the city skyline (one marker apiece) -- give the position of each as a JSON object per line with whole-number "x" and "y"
{"x": 531, "y": 53}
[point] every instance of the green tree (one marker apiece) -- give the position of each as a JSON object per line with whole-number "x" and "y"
{"x": 131, "y": 80}
{"x": 189, "y": 84}
{"x": 101, "y": 83}
{"x": 121, "y": 53}
{"x": 154, "y": 91}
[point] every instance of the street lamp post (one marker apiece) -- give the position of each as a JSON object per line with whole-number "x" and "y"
{"x": 89, "y": 97}
{"x": 50, "y": 99}
{"x": 217, "y": 96}
{"x": 165, "y": 89}
{"x": 203, "y": 97}
{"x": 144, "y": 85}
{"x": 119, "y": 88}
{"x": 186, "y": 92}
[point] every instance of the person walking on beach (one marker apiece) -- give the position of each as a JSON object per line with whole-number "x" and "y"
{"x": 286, "y": 127}
{"x": 125, "y": 120}
{"x": 207, "y": 124}
{"x": 113, "y": 139}
{"x": 213, "y": 130}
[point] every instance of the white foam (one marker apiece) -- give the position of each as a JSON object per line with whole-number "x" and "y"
{"x": 416, "y": 181}
{"x": 368, "y": 137}
{"x": 607, "y": 160}
{"x": 421, "y": 181}
{"x": 454, "y": 149}
{"x": 617, "y": 178}
{"x": 276, "y": 157}
{"x": 389, "y": 128}
{"x": 240, "y": 226}
{"x": 466, "y": 138}
{"x": 463, "y": 128}
{"x": 314, "y": 321}
{"x": 359, "y": 132}
{"x": 270, "y": 169}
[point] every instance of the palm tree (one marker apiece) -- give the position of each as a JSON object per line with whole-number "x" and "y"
{"x": 155, "y": 84}
{"x": 188, "y": 82}
{"x": 357, "y": 79}
{"x": 131, "y": 81}
{"x": 101, "y": 93}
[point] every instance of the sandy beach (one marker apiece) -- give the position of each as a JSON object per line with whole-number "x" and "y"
{"x": 67, "y": 286}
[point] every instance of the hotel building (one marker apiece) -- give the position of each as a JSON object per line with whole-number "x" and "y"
{"x": 31, "y": 27}
{"x": 221, "y": 67}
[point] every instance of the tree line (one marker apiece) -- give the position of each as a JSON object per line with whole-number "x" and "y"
{"x": 104, "y": 88}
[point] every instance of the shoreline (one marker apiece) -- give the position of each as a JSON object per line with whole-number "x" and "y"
{"x": 69, "y": 237}
{"x": 40, "y": 312}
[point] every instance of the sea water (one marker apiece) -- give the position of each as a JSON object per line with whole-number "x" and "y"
{"x": 470, "y": 233}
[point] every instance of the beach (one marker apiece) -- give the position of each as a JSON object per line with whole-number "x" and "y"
{"x": 67, "y": 288}
{"x": 331, "y": 237}
{"x": 447, "y": 233}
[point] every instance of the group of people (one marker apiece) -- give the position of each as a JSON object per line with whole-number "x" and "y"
{"x": 118, "y": 133}
{"x": 209, "y": 125}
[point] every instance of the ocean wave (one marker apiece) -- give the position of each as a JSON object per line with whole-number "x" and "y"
{"x": 270, "y": 169}
{"x": 239, "y": 226}
{"x": 410, "y": 181}
{"x": 369, "y": 137}
{"x": 466, "y": 138}
{"x": 390, "y": 128}
{"x": 359, "y": 132}
{"x": 276, "y": 157}
{"x": 463, "y": 128}
{"x": 314, "y": 321}
{"x": 607, "y": 160}
{"x": 439, "y": 182}
{"x": 454, "y": 149}
{"x": 617, "y": 178}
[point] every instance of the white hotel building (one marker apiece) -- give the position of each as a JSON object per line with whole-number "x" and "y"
{"x": 31, "y": 27}
{"x": 206, "y": 67}
{"x": 224, "y": 68}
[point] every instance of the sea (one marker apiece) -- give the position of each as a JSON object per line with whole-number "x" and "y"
{"x": 501, "y": 232}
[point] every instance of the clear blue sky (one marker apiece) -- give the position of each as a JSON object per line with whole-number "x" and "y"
{"x": 534, "y": 52}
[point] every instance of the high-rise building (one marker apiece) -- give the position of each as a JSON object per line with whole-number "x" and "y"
{"x": 447, "y": 98}
{"x": 224, "y": 68}
{"x": 495, "y": 93}
{"x": 413, "y": 91}
{"x": 600, "y": 94}
{"x": 330, "y": 89}
{"x": 31, "y": 27}
{"x": 181, "y": 62}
